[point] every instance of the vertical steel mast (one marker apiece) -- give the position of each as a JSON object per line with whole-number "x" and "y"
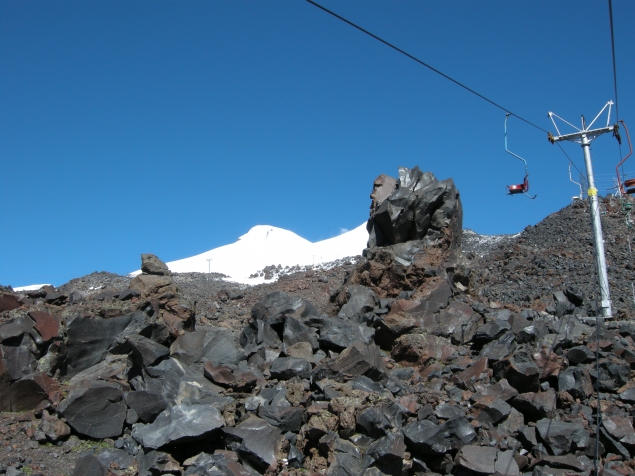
{"x": 584, "y": 137}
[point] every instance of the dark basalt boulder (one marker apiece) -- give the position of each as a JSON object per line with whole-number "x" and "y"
{"x": 89, "y": 339}
{"x": 174, "y": 380}
{"x": 285, "y": 418}
{"x": 146, "y": 352}
{"x": 536, "y": 406}
{"x": 491, "y": 410}
{"x": 388, "y": 452}
{"x": 17, "y": 357}
{"x": 520, "y": 370}
{"x": 147, "y": 405}
{"x": 256, "y": 441}
{"x": 295, "y": 332}
{"x": 268, "y": 327}
{"x": 179, "y": 424}
{"x": 284, "y": 368}
{"x": 360, "y": 301}
{"x": 341, "y": 333}
{"x": 424, "y": 437}
{"x": 15, "y": 328}
{"x": 188, "y": 347}
{"x": 562, "y": 437}
{"x": 89, "y": 465}
{"x": 580, "y": 354}
{"x": 220, "y": 347}
{"x": 158, "y": 462}
{"x": 98, "y": 411}
{"x": 360, "y": 359}
{"x": 421, "y": 207}
{"x": 378, "y": 421}
{"x": 620, "y": 428}
{"x": 577, "y": 382}
{"x": 217, "y": 465}
{"x": 480, "y": 459}
{"x": 276, "y": 306}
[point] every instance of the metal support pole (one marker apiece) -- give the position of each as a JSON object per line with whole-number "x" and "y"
{"x": 584, "y": 137}
{"x": 600, "y": 260}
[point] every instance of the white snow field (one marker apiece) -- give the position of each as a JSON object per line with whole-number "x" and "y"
{"x": 266, "y": 245}
{"x": 30, "y": 287}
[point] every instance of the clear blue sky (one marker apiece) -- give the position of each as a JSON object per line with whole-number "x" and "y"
{"x": 172, "y": 127}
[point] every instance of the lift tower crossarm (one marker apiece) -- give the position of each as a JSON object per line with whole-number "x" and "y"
{"x": 584, "y": 137}
{"x": 577, "y": 136}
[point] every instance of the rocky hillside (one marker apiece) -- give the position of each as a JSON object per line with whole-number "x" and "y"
{"x": 557, "y": 254}
{"x": 421, "y": 357}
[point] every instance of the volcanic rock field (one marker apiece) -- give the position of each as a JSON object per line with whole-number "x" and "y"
{"x": 436, "y": 352}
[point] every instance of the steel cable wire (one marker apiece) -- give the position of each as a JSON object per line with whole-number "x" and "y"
{"x": 414, "y": 58}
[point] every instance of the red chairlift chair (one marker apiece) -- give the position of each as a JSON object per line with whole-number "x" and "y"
{"x": 521, "y": 187}
{"x": 627, "y": 187}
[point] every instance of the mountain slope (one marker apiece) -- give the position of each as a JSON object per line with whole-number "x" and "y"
{"x": 558, "y": 253}
{"x": 266, "y": 245}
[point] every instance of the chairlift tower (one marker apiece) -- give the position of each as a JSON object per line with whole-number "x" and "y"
{"x": 584, "y": 137}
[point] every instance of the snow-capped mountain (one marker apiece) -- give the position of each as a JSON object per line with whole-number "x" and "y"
{"x": 266, "y": 245}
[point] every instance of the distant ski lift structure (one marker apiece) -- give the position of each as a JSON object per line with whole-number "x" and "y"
{"x": 626, "y": 187}
{"x": 578, "y": 197}
{"x": 522, "y": 187}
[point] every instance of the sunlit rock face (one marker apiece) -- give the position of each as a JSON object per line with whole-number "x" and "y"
{"x": 417, "y": 206}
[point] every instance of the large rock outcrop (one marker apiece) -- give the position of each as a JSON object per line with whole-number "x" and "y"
{"x": 419, "y": 207}
{"x": 414, "y": 240}
{"x": 157, "y": 285}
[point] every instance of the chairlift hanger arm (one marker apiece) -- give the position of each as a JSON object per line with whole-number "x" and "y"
{"x": 509, "y": 151}
{"x": 522, "y": 187}
{"x": 578, "y": 184}
{"x": 617, "y": 169}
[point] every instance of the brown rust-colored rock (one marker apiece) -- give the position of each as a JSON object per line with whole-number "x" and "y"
{"x": 46, "y": 324}
{"x": 151, "y": 264}
{"x": 549, "y": 363}
{"x": 54, "y": 428}
{"x": 383, "y": 187}
{"x": 168, "y": 301}
{"x": 27, "y": 393}
{"x": 360, "y": 359}
{"x": 467, "y": 377}
{"x": 8, "y": 302}
{"x": 421, "y": 347}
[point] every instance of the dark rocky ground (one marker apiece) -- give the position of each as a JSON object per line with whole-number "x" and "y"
{"x": 558, "y": 252}
{"x": 522, "y": 361}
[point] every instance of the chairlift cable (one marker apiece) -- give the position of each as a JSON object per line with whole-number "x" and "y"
{"x": 422, "y": 63}
{"x": 571, "y": 161}
{"x": 617, "y": 115}
{"x": 414, "y": 58}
